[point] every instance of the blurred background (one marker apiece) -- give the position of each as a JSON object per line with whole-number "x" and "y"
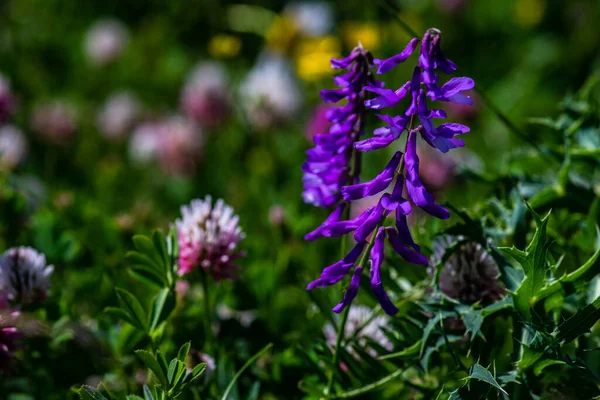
{"x": 114, "y": 113}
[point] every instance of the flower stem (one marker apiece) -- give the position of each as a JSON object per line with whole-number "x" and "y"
{"x": 207, "y": 312}
{"x": 340, "y": 334}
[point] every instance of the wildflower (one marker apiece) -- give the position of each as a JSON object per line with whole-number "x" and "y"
{"x": 470, "y": 274}
{"x": 312, "y": 19}
{"x": 25, "y": 275}
{"x": 7, "y": 100}
{"x": 144, "y": 142}
{"x": 105, "y": 41}
{"x": 196, "y": 357}
{"x": 208, "y": 236}
{"x": 318, "y": 122}
{"x": 55, "y": 121}
{"x": 205, "y": 98}
{"x": 326, "y": 169}
{"x": 13, "y": 146}
{"x": 180, "y": 143}
{"x": 270, "y": 92}
{"x": 224, "y": 46}
{"x": 401, "y": 172}
{"x": 117, "y": 115}
{"x": 277, "y": 215}
{"x": 174, "y": 142}
{"x": 361, "y": 325}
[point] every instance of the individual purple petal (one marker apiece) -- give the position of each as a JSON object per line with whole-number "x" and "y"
{"x": 377, "y": 253}
{"x": 345, "y": 62}
{"x": 456, "y": 85}
{"x": 451, "y": 129}
{"x": 374, "y": 186}
{"x": 351, "y": 292}
{"x": 336, "y": 272}
{"x": 405, "y": 252}
{"x": 333, "y": 217}
{"x": 404, "y": 232}
{"x": 389, "y": 63}
{"x": 436, "y": 210}
{"x": 395, "y": 201}
{"x": 376, "y": 142}
{"x": 387, "y": 97}
{"x": 334, "y": 95}
{"x": 363, "y": 231}
{"x": 340, "y": 228}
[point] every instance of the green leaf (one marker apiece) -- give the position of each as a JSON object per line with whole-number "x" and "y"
{"x": 151, "y": 362}
{"x": 91, "y": 393}
{"x": 183, "y": 352}
{"x": 241, "y": 371}
{"x": 150, "y": 394}
{"x": 481, "y": 373}
{"x": 121, "y": 314}
{"x": 533, "y": 262}
{"x": 578, "y": 324}
{"x": 160, "y": 244}
{"x": 135, "y": 258}
{"x": 162, "y": 306}
{"x": 431, "y": 324}
{"x": 131, "y": 305}
{"x": 133, "y": 397}
{"x": 539, "y": 367}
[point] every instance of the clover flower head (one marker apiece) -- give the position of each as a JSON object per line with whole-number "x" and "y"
{"x": 105, "y": 41}
{"x": 470, "y": 274}
{"x": 55, "y": 121}
{"x": 118, "y": 114}
{"x": 362, "y": 324}
{"x": 13, "y": 146}
{"x": 208, "y": 236}
{"x": 205, "y": 97}
{"x": 270, "y": 92}
{"x": 25, "y": 276}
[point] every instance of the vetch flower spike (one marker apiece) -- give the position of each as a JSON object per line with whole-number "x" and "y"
{"x": 326, "y": 171}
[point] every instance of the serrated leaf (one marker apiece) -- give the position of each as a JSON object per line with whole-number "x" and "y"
{"x": 431, "y": 324}
{"x": 154, "y": 366}
{"x": 162, "y": 306}
{"x": 533, "y": 262}
{"x": 539, "y": 367}
{"x": 481, "y": 373}
{"x": 130, "y": 304}
{"x": 578, "y": 324}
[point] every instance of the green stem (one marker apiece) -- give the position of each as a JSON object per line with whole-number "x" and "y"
{"x": 368, "y": 388}
{"x": 340, "y": 334}
{"x": 241, "y": 371}
{"x": 207, "y": 312}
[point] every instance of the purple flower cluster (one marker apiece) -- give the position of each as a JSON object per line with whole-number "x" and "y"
{"x": 402, "y": 170}
{"x": 327, "y": 167}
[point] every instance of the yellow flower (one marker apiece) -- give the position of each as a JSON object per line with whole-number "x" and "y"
{"x": 224, "y": 46}
{"x": 281, "y": 34}
{"x": 313, "y": 56}
{"x": 366, "y": 33}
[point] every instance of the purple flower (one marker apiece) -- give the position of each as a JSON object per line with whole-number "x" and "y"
{"x": 24, "y": 276}
{"x": 326, "y": 169}
{"x": 327, "y": 172}
{"x": 55, "y": 122}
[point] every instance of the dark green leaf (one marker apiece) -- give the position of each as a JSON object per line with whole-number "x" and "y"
{"x": 89, "y": 392}
{"x": 578, "y": 324}
{"x": 162, "y": 306}
{"x": 131, "y": 305}
{"x": 151, "y": 362}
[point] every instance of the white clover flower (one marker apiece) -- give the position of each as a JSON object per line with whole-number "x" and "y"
{"x": 118, "y": 114}
{"x": 13, "y": 146}
{"x": 270, "y": 92}
{"x": 25, "y": 276}
{"x": 105, "y": 41}
{"x": 362, "y": 323}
